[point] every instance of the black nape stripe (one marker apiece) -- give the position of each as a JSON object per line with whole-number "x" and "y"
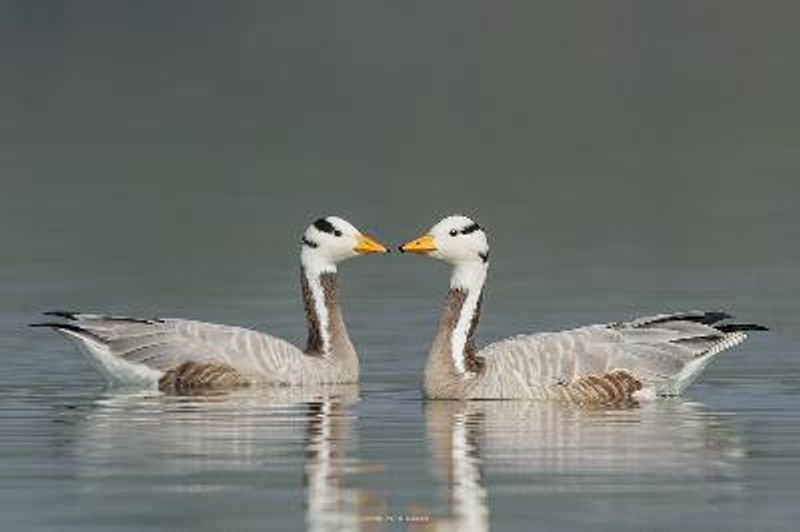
{"x": 324, "y": 225}
{"x": 484, "y": 255}
{"x": 309, "y": 243}
{"x": 470, "y": 229}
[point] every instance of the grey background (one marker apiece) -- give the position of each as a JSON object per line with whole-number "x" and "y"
{"x": 163, "y": 158}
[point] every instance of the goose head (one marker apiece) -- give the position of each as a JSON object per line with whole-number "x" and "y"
{"x": 457, "y": 239}
{"x": 331, "y": 240}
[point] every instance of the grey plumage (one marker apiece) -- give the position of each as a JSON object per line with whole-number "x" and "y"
{"x": 163, "y": 345}
{"x": 612, "y": 363}
{"x": 656, "y": 355}
{"x": 185, "y": 355}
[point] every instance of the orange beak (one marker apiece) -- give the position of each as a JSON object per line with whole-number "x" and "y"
{"x": 421, "y": 246}
{"x": 367, "y": 245}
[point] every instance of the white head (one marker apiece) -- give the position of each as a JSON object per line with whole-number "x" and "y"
{"x": 331, "y": 240}
{"x": 460, "y": 241}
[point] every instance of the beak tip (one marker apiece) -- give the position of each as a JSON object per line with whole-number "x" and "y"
{"x": 367, "y": 245}
{"x": 424, "y": 245}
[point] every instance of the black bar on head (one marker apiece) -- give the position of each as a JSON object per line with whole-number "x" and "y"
{"x": 324, "y": 225}
{"x": 470, "y": 229}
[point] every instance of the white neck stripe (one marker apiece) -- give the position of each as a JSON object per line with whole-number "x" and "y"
{"x": 321, "y": 310}
{"x": 469, "y": 278}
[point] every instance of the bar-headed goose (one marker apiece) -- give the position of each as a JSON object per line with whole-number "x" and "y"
{"x": 646, "y": 357}
{"x": 183, "y": 355}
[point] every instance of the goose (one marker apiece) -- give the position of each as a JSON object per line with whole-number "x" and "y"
{"x": 184, "y": 355}
{"x": 615, "y": 362}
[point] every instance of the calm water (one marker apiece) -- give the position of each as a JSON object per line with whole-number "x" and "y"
{"x": 625, "y": 159}
{"x": 74, "y": 455}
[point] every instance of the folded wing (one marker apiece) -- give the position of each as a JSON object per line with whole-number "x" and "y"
{"x": 136, "y": 351}
{"x": 662, "y": 354}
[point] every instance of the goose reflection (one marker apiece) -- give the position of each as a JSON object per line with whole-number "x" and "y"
{"x": 213, "y": 443}
{"x": 329, "y": 505}
{"x": 453, "y": 430}
{"x": 559, "y": 449}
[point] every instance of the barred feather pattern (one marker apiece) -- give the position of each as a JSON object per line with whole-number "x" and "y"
{"x": 597, "y": 364}
{"x": 614, "y": 388}
{"x": 192, "y": 376}
{"x": 165, "y": 344}
{"x": 177, "y": 352}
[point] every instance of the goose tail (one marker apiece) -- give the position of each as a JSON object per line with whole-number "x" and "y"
{"x": 730, "y": 335}
{"x": 117, "y": 371}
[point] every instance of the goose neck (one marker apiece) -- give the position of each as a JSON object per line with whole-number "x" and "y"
{"x": 469, "y": 276}
{"x": 321, "y": 309}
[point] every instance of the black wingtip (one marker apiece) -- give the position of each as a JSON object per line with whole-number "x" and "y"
{"x": 67, "y": 315}
{"x": 58, "y": 325}
{"x": 710, "y": 318}
{"x": 706, "y": 318}
{"x": 66, "y": 327}
{"x": 739, "y": 327}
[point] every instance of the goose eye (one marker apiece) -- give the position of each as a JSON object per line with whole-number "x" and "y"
{"x": 453, "y": 232}
{"x": 336, "y": 232}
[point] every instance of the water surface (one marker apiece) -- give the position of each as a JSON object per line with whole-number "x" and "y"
{"x": 162, "y": 159}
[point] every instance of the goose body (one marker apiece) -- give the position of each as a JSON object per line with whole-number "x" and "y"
{"x": 615, "y": 362}
{"x": 182, "y": 355}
